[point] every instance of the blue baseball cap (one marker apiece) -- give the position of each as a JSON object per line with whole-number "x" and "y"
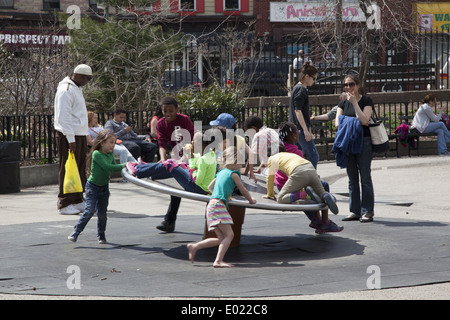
{"x": 225, "y": 120}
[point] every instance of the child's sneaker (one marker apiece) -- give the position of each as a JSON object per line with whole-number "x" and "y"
{"x": 330, "y": 200}
{"x": 330, "y": 226}
{"x": 131, "y": 168}
{"x": 315, "y": 223}
{"x": 74, "y": 236}
{"x": 101, "y": 238}
{"x": 313, "y": 195}
{"x": 140, "y": 161}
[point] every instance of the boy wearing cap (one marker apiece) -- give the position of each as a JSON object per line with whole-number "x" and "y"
{"x": 71, "y": 125}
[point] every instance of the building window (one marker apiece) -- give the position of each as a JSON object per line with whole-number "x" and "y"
{"x": 51, "y": 4}
{"x": 187, "y": 5}
{"x": 146, "y": 7}
{"x": 6, "y": 3}
{"x": 232, "y": 5}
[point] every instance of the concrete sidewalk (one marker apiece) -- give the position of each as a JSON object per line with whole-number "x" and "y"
{"x": 411, "y": 210}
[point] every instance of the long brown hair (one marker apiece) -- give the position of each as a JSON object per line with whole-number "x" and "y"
{"x": 96, "y": 145}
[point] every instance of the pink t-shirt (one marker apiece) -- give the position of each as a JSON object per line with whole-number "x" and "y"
{"x": 280, "y": 177}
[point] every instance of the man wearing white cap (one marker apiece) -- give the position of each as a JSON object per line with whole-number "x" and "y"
{"x": 71, "y": 125}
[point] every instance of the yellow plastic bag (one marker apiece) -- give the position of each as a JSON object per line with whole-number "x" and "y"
{"x": 72, "y": 180}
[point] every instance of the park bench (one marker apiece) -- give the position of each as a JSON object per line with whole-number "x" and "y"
{"x": 413, "y": 134}
{"x": 237, "y": 206}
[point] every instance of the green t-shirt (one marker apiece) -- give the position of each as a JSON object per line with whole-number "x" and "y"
{"x": 101, "y": 167}
{"x": 224, "y": 185}
{"x": 205, "y": 169}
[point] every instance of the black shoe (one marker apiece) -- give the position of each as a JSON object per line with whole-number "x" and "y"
{"x": 166, "y": 226}
{"x": 352, "y": 217}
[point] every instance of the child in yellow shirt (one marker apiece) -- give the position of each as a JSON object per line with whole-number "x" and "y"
{"x": 301, "y": 174}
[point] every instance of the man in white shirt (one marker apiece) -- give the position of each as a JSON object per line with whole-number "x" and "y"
{"x": 71, "y": 125}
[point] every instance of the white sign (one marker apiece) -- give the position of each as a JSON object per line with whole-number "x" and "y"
{"x": 34, "y": 39}
{"x": 313, "y": 12}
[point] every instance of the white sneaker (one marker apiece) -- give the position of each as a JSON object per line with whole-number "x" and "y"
{"x": 80, "y": 206}
{"x": 70, "y": 209}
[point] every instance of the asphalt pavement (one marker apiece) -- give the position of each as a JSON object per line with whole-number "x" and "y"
{"x": 403, "y": 254}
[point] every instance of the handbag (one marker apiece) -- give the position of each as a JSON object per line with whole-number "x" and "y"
{"x": 72, "y": 180}
{"x": 378, "y": 134}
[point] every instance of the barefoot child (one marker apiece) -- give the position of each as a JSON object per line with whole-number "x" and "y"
{"x": 218, "y": 218}
{"x": 101, "y": 163}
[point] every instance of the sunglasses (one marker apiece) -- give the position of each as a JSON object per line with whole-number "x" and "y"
{"x": 350, "y": 84}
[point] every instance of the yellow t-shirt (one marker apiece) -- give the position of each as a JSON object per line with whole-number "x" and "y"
{"x": 286, "y": 162}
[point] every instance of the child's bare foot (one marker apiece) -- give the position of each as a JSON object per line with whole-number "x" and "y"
{"x": 222, "y": 265}
{"x": 192, "y": 251}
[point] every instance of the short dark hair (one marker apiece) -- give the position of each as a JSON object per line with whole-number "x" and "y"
{"x": 253, "y": 121}
{"x": 168, "y": 101}
{"x": 119, "y": 111}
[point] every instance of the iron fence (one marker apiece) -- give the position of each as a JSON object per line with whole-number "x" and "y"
{"x": 262, "y": 65}
{"x": 37, "y": 137}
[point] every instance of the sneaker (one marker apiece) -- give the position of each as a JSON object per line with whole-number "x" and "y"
{"x": 330, "y": 200}
{"x": 80, "y": 206}
{"x": 74, "y": 236}
{"x": 166, "y": 226}
{"x": 330, "y": 226}
{"x": 140, "y": 161}
{"x": 101, "y": 238}
{"x": 315, "y": 223}
{"x": 70, "y": 209}
{"x": 131, "y": 168}
{"x": 313, "y": 195}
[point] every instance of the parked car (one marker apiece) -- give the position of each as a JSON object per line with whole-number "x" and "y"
{"x": 175, "y": 80}
{"x": 265, "y": 76}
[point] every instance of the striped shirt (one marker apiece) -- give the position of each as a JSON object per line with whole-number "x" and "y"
{"x": 263, "y": 142}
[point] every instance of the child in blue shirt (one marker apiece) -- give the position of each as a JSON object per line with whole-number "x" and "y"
{"x": 218, "y": 218}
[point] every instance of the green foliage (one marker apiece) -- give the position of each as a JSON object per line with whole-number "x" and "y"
{"x": 206, "y": 104}
{"x": 213, "y": 97}
{"x": 127, "y": 56}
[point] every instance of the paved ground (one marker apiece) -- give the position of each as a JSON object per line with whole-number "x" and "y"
{"x": 405, "y": 252}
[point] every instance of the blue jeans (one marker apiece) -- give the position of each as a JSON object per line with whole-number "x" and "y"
{"x": 158, "y": 171}
{"x": 359, "y": 165}
{"x": 443, "y": 136}
{"x": 183, "y": 177}
{"x": 97, "y": 199}
{"x": 308, "y": 148}
{"x": 154, "y": 170}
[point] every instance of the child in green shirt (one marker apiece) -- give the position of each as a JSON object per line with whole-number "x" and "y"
{"x": 101, "y": 163}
